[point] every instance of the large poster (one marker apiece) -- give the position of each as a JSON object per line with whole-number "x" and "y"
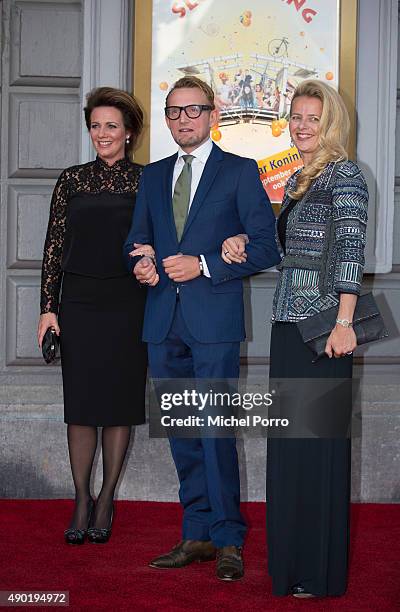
{"x": 253, "y": 54}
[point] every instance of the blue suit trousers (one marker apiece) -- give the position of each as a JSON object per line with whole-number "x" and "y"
{"x": 207, "y": 468}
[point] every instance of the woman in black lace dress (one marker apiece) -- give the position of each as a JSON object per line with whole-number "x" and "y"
{"x": 99, "y": 317}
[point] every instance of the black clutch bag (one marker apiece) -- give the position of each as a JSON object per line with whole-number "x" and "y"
{"x": 50, "y": 345}
{"x": 368, "y": 325}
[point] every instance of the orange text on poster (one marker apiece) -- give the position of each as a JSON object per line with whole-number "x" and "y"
{"x": 275, "y": 171}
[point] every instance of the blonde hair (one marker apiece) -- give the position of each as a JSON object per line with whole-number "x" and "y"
{"x": 334, "y": 129}
{"x": 192, "y": 82}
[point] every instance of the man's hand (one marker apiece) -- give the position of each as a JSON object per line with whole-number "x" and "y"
{"x": 146, "y": 272}
{"x": 181, "y": 268}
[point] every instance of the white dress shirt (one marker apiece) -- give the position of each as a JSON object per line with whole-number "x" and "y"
{"x": 201, "y": 155}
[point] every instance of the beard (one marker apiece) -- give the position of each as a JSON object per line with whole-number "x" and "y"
{"x": 190, "y": 139}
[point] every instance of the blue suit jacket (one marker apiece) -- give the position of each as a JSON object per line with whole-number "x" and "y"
{"x": 229, "y": 200}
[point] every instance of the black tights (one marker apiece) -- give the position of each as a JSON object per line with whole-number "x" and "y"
{"x": 82, "y": 444}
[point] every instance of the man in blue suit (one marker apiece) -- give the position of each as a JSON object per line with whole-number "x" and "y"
{"x": 187, "y": 205}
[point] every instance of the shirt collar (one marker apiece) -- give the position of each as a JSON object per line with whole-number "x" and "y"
{"x": 201, "y": 153}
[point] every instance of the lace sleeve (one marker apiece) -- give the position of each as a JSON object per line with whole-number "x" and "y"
{"x": 53, "y": 247}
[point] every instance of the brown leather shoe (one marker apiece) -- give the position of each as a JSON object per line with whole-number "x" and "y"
{"x": 184, "y": 553}
{"x": 230, "y": 563}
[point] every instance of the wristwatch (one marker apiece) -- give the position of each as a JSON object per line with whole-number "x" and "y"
{"x": 201, "y": 265}
{"x": 344, "y": 322}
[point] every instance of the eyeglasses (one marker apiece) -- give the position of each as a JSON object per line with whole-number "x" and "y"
{"x": 193, "y": 111}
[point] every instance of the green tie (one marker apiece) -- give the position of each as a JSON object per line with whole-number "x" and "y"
{"x": 181, "y": 198}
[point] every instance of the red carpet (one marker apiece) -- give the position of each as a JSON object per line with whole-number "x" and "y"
{"x": 115, "y": 576}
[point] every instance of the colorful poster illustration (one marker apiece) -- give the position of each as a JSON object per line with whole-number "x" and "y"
{"x": 253, "y": 54}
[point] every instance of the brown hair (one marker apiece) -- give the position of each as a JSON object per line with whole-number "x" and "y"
{"x": 333, "y": 134}
{"x": 131, "y": 112}
{"x": 192, "y": 82}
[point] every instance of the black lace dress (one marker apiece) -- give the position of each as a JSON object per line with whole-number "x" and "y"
{"x": 101, "y": 310}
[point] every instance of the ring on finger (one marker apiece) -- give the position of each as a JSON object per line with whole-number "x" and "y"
{"x": 226, "y": 252}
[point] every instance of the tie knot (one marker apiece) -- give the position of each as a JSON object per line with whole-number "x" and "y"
{"x": 188, "y": 159}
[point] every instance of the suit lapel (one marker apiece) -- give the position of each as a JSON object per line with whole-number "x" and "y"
{"x": 207, "y": 178}
{"x": 286, "y": 199}
{"x": 167, "y": 193}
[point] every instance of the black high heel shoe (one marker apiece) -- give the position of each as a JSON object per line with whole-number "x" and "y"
{"x": 100, "y": 535}
{"x": 299, "y": 592}
{"x": 77, "y": 536}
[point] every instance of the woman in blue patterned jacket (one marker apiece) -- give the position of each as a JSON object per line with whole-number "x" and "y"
{"x": 321, "y": 232}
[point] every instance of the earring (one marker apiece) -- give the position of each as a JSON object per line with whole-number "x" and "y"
{"x": 127, "y": 140}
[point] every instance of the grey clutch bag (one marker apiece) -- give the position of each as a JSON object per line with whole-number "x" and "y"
{"x": 368, "y": 325}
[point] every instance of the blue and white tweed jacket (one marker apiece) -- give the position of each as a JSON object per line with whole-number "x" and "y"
{"x": 325, "y": 240}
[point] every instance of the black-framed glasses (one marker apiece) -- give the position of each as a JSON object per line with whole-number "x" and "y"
{"x": 193, "y": 111}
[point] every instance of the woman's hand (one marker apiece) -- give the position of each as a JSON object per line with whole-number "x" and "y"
{"x": 146, "y": 269}
{"x": 233, "y": 249}
{"x": 144, "y": 250}
{"x": 342, "y": 341}
{"x": 49, "y": 319}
